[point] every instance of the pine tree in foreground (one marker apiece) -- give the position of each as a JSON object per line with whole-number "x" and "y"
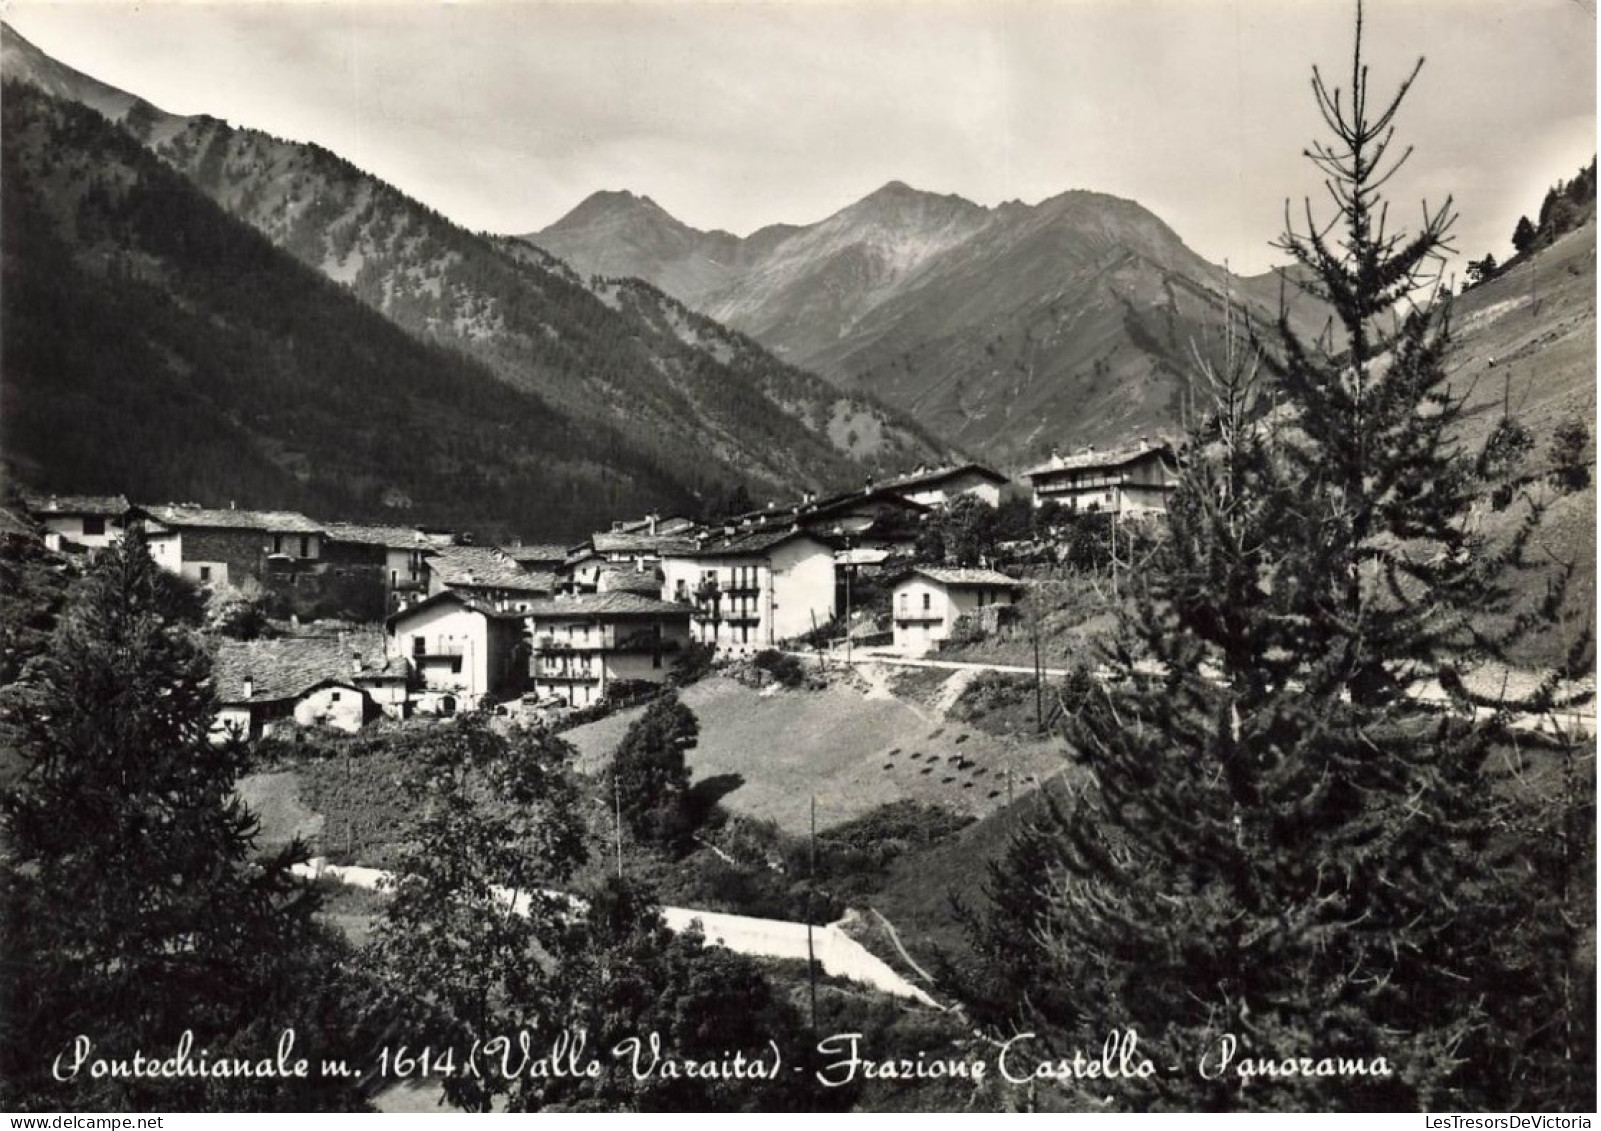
{"x": 1279, "y": 853}
{"x": 135, "y": 908}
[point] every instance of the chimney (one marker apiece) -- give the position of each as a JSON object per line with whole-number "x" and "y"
{"x": 250, "y": 687}
{"x": 869, "y": 489}
{"x": 650, "y": 521}
{"x": 230, "y": 504}
{"x": 356, "y": 666}
{"x": 728, "y": 530}
{"x": 1145, "y": 443}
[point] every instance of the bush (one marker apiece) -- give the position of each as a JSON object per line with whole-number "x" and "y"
{"x": 968, "y": 629}
{"x": 786, "y": 669}
{"x": 709, "y": 882}
{"x": 694, "y": 663}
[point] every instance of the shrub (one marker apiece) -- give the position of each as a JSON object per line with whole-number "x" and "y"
{"x": 786, "y": 669}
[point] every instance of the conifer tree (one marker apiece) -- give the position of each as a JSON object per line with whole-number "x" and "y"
{"x": 472, "y": 942}
{"x": 650, "y": 777}
{"x": 135, "y": 906}
{"x": 1278, "y": 852}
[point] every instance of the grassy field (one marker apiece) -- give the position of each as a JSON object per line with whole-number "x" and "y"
{"x": 1525, "y": 342}
{"x": 854, "y": 747}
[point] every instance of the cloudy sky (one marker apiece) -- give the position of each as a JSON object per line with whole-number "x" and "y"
{"x": 734, "y": 115}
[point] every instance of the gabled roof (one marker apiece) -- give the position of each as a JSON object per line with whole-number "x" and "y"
{"x": 819, "y": 511}
{"x": 451, "y": 596}
{"x": 625, "y": 579}
{"x": 289, "y": 666}
{"x": 634, "y": 542}
{"x": 393, "y": 537}
{"x": 929, "y": 477}
{"x": 1082, "y": 461}
{"x": 537, "y": 552}
{"x": 275, "y": 522}
{"x": 962, "y": 578}
{"x": 107, "y": 506}
{"x": 674, "y": 525}
{"x": 743, "y": 542}
{"x": 617, "y": 603}
{"x": 485, "y": 567}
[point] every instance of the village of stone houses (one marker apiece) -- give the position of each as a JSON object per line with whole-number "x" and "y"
{"x": 533, "y": 630}
{"x": 950, "y": 655}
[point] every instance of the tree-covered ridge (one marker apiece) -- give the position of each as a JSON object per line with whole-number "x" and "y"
{"x": 219, "y": 368}
{"x": 1566, "y": 206}
{"x": 701, "y": 417}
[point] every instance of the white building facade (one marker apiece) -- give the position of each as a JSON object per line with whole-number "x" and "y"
{"x": 927, "y": 601}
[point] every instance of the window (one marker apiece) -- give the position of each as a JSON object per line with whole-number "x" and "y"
{"x": 94, "y": 524}
{"x": 419, "y": 646}
{"x": 205, "y": 573}
{"x": 333, "y": 697}
{"x": 928, "y": 601}
{"x": 305, "y": 545}
{"x": 905, "y": 600}
{"x": 277, "y": 543}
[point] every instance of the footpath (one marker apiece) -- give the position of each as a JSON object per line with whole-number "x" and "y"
{"x": 837, "y": 953}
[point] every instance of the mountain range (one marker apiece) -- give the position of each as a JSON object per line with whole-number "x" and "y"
{"x": 1008, "y": 330}
{"x": 650, "y": 399}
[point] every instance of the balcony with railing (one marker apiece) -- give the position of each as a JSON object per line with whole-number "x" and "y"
{"x": 564, "y": 673}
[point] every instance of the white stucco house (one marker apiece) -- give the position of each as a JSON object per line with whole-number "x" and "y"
{"x": 584, "y": 643}
{"x": 927, "y": 601}
{"x": 936, "y": 486}
{"x": 1127, "y": 482}
{"x": 79, "y": 521}
{"x": 751, "y": 589}
{"x": 462, "y": 652}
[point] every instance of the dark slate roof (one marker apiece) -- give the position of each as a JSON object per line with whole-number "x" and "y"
{"x": 742, "y": 542}
{"x": 928, "y": 477}
{"x": 109, "y": 506}
{"x": 674, "y": 525}
{"x": 630, "y": 580}
{"x": 820, "y": 510}
{"x": 485, "y": 567}
{"x": 283, "y": 522}
{"x": 635, "y": 542}
{"x": 289, "y": 666}
{"x": 397, "y": 537}
{"x": 617, "y": 603}
{"x": 1083, "y": 461}
{"x": 537, "y": 552}
{"x": 973, "y": 578}
{"x": 465, "y": 600}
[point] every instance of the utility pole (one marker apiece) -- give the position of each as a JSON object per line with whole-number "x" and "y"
{"x": 617, "y": 807}
{"x": 1039, "y": 668}
{"x": 811, "y": 888}
{"x": 1114, "y": 548}
{"x": 848, "y": 571}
